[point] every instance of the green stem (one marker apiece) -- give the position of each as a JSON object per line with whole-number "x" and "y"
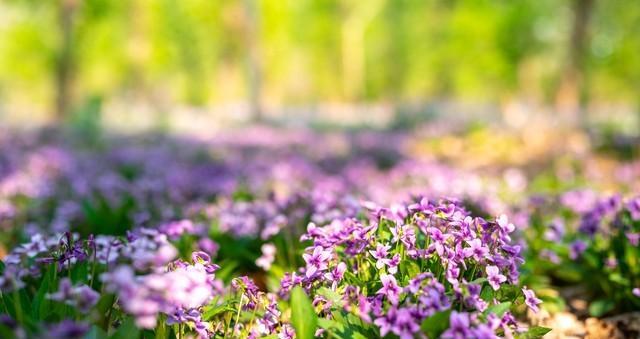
{"x": 161, "y": 330}
{"x": 93, "y": 269}
{"x": 18, "y": 306}
{"x": 238, "y": 312}
{"x": 253, "y": 315}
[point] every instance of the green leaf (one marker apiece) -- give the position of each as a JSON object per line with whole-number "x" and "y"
{"x": 40, "y": 306}
{"x": 487, "y": 293}
{"x": 213, "y": 310}
{"x": 600, "y": 307}
{"x": 436, "y": 324}
{"x": 498, "y": 309}
{"x": 479, "y": 281}
{"x": 410, "y": 267}
{"x": 95, "y": 333}
{"x": 618, "y": 278}
{"x": 357, "y": 335}
{"x": 6, "y": 332}
{"x": 534, "y": 332}
{"x": 127, "y": 330}
{"x": 303, "y": 317}
{"x": 329, "y": 324}
{"x": 332, "y": 296}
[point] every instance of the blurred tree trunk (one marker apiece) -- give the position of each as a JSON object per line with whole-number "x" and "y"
{"x": 358, "y": 16}
{"x": 397, "y": 51}
{"x": 569, "y": 101}
{"x": 253, "y": 62}
{"x": 64, "y": 60}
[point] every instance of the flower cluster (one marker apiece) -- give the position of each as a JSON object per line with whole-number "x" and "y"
{"x": 596, "y": 240}
{"x": 179, "y": 292}
{"x": 408, "y": 263}
{"x": 82, "y": 296}
{"x": 124, "y": 238}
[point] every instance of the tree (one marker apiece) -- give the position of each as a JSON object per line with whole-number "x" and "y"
{"x": 64, "y": 71}
{"x": 568, "y": 97}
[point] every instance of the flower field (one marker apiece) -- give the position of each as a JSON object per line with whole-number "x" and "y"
{"x": 269, "y": 233}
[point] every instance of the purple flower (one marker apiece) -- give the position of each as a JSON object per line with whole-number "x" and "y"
{"x": 505, "y": 226}
{"x": 390, "y": 288}
{"x": 634, "y": 238}
{"x": 576, "y": 249}
{"x": 405, "y": 234}
{"x": 636, "y": 291}
{"x": 393, "y": 264}
{"x": 459, "y": 326}
{"x": 82, "y": 296}
{"x": 380, "y": 254}
{"x": 364, "y": 309}
{"x": 475, "y": 249}
{"x": 556, "y": 230}
{"x": 203, "y": 259}
{"x": 530, "y": 299}
{"x": 176, "y": 229}
{"x": 85, "y": 297}
{"x": 634, "y": 208}
{"x": 209, "y": 246}
{"x": 483, "y": 331}
{"x": 550, "y": 255}
{"x": 473, "y": 300}
{"x": 336, "y": 274}
{"x": 494, "y": 277}
{"x": 67, "y": 329}
{"x": 316, "y": 261}
{"x": 268, "y": 256}
{"x": 385, "y": 323}
{"x": 405, "y": 324}
{"x": 438, "y": 239}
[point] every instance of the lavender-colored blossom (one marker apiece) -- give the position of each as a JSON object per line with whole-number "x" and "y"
{"x": 494, "y": 277}
{"x": 336, "y": 274}
{"x": 633, "y": 237}
{"x": 316, "y": 261}
{"x": 438, "y": 239}
{"x": 531, "y": 300}
{"x": 633, "y": 206}
{"x": 390, "y": 288}
{"x": 459, "y": 326}
{"x": 505, "y": 226}
{"x": 576, "y": 249}
{"x": 386, "y": 322}
{"x": 475, "y": 249}
{"x": 483, "y": 331}
{"x": 380, "y": 254}
{"x": 209, "y": 246}
{"x": 183, "y": 288}
{"x": 82, "y": 296}
{"x": 550, "y": 255}
{"x": 556, "y": 231}
{"x": 405, "y": 325}
{"x": 67, "y": 329}
{"x": 268, "y": 256}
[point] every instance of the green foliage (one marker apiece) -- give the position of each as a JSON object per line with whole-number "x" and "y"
{"x": 534, "y": 332}
{"x": 198, "y": 51}
{"x": 127, "y": 330}
{"x": 436, "y": 324}
{"x": 498, "y": 309}
{"x": 303, "y": 317}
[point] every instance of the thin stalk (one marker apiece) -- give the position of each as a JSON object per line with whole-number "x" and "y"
{"x": 238, "y": 312}
{"x": 18, "y": 306}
